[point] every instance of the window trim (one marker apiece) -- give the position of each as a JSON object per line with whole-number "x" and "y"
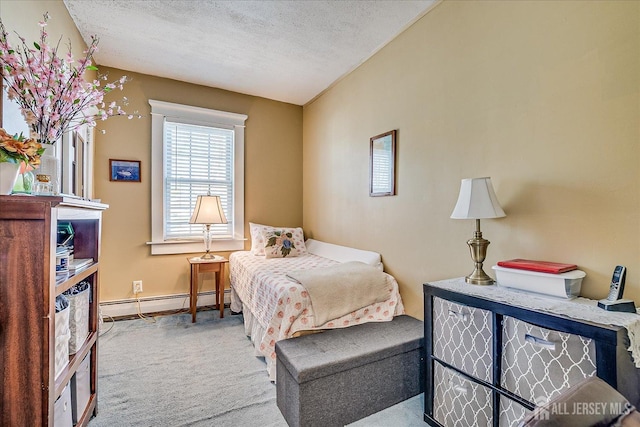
{"x": 203, "y": 116}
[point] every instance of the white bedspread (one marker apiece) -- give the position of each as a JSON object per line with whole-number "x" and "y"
{"x": 281, "y": 307}
{"x": 340, "y": 289}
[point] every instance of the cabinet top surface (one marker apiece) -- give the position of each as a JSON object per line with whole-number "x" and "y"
{"x": 54, "y": 201}
{"x": 578, "y": 308}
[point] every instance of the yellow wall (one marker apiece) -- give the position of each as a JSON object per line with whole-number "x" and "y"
{"x": 273, "y": 187}
{"x": 541, "y": 96}
{"x": 273, "y": 162}
{"x": 23, "y": 16}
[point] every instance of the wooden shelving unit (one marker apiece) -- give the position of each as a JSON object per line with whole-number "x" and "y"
{"x": 28, "y": 289}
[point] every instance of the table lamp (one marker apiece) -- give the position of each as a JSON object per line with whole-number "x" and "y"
{"x": 208, "y": 211}
{"x": 477, "y": 200}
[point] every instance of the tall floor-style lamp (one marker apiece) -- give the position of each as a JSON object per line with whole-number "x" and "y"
{"x": 477, "y": 200}
{"x": 208, "y": 211}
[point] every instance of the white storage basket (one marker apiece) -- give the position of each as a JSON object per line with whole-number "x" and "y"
{"x": 81, "y": 388}
{"x": 563, "y": 285}
{"x": 62, "y": 334}
{"x": 62, "y": 409}
{"x": 78, "y": 315}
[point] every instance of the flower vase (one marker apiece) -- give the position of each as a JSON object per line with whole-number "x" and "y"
{"x": 8, "y": 175}
{"x": 25, "y": 182}
{"x": 50, "y": 166}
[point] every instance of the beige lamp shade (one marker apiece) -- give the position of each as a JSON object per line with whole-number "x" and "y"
{"x": 477, "y": 200}
{"x": 208, "y": 210}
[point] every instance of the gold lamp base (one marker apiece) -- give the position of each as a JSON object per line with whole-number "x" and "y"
{"x": 479, "y": 277}
{"x": 478, "y": 249}
{"x": 209, "y": 256}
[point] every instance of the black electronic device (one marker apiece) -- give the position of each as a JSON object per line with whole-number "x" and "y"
{"x": 614, "y": 301}
{"x": 616, "y": 289}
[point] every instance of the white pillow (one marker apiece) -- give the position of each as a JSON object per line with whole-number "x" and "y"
{"x": 343, "y": 253}
{"x": 258, "y": 242}
{"x": 278, "y": 243}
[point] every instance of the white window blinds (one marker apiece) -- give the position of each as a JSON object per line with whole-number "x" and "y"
{"x": 198, "y": 160}
{"x": 195, "y": 151}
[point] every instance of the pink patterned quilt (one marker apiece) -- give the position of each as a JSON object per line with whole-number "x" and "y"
{"x": 283, "y": 307}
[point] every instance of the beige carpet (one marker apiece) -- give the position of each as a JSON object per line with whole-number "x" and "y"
{"x": 176, "y": 373}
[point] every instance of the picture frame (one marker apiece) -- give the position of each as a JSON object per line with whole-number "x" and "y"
{"x": 124, "y": 170}
{"x": 382, "y": 162}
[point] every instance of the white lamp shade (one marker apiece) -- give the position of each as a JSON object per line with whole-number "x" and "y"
{"x": 477, "y": 200}
{"x": 208, "y": 210}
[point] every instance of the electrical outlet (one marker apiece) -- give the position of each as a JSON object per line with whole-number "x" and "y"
{"x": 137, "y": 286}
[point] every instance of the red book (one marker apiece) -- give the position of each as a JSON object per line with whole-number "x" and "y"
{"x": 541, "y": 266}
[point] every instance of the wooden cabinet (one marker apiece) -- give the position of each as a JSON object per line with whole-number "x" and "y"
{"x": 28, "y": 289}
{"x": 493, "y": 354}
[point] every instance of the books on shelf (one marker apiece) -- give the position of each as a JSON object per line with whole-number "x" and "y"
{"x": 74, "y": 266}
{"x": 78, "y": 264}
{"x": 539, "y": 266}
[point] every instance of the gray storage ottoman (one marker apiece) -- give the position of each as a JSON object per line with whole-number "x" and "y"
{"x": 342, "y": 375}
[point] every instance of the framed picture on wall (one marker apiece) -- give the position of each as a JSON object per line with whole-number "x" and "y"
{"x": 124, "y": 170}
{"x": 382, "y": 162}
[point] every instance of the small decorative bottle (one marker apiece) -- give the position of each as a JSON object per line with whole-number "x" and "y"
{"x": 50, "y": 166}
{"x": 43, "y": 185}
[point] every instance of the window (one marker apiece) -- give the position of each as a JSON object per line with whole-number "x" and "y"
{"x": 77, "y": 162}
{"x": 195, "y": 151}
{"x": 197, "y": 160}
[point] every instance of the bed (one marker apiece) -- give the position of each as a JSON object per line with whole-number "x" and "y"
{"x": 275, "y": 307}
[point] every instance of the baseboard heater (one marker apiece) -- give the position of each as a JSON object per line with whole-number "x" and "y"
{"x": 127, "y": 307}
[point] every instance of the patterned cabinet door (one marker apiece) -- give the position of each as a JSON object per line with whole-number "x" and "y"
{"x": 462, "y": 337}
{"x": 511, "y": 412}
{"x": 458, "y": 402}
{"x": 538, "y": 363}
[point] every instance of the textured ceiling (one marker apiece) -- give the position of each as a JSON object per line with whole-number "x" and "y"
{"x": 289, "y": 51}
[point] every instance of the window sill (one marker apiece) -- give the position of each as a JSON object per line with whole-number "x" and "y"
{"x": 187, "y": 247}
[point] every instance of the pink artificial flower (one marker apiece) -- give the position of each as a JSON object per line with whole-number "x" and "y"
{"x": 51, "y": 90}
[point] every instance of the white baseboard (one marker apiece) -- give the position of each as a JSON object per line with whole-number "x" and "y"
{"x": 129, "y": 307}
